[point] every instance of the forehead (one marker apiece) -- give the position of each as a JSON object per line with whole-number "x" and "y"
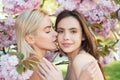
{"x": 69, "y": 22}
{"x": 45, "y": 22}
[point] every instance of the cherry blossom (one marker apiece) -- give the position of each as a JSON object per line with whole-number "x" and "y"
{"x": 17, "y": 6}
{"x": 98, "y": 14}
{"x": 7, "y": 32}
{"x": 95, "y": 11}
{"x": 107, "y": 59}
{"x": 69, "y": 4}
{"x": 8, "y": 70}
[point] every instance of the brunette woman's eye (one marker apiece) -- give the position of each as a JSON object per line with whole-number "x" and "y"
{"x": 60, "y": 31}
{"x": 73, "y": 31}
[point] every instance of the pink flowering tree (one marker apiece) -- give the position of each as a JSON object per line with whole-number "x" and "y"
{"x": 97, "y": 13}
{"x": 102, "y": 17}
{"x": 17, "y": 6}
{"x": 7, "y": 32}
{"x": 7, "y": 28}
{"x": 10, "y": 69}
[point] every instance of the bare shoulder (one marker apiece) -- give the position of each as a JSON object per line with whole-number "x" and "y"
{"x": 83, "y": 58}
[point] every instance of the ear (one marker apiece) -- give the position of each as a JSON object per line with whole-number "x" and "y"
{"x": 29, "y": 39}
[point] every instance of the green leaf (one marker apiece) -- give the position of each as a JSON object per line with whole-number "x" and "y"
{"x": 28, "y": 65}
{"x": 20, "y": 56}
{"x": 96, "y": 25}
{"x": 34, "y": 58}
{"x": 32, "y": 62}
{"x": 117, "y": 1}
{"x": 20, "y": 69}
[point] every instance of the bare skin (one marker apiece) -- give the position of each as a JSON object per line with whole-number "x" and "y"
{"x": 87, "y": 73}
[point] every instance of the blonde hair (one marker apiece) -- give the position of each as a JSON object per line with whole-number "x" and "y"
{"x": 27, "y": 22}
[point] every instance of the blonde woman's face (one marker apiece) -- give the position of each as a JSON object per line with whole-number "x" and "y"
{"x": 69, "y": 35}
{"x": 45, "y": 36}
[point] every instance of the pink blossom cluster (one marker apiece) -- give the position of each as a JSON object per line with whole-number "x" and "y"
{"x": 69, "y": 4}
{"x": 107, "y": 59}
{"x": 95, "y": 11}
{"x": 7, "y": 32}
{"x": 8, "y": 69}
{"x": 16, "y": 6}
{"x": 107, "y": 25}
{"x": 80, "y": 5}
{"x": 101, "y": 15}
{"x": 7, "y": 29}
{"x": 86, "y": 5}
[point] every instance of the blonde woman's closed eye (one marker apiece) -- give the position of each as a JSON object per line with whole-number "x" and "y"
{"x": 48, "y": 29}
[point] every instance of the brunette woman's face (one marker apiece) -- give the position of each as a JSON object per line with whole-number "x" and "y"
{"x": 45, "y": 36}
{"x": 69, "y": 34}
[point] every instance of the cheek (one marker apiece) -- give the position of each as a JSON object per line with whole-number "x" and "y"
{"x": 42, "y": 42}
{"x": 58, "y": 40}
{"x": 42, "y": 39}
{"x": 59, "y": 37}
{"x": 78, "y": 39}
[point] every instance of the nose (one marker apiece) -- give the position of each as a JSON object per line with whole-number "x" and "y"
{"x": 66, "y": 36}
{"x": 55, "y": 33}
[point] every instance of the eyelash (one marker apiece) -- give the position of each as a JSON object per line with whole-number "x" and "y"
{"x": 74, "y": 31}
{"x": 60, "y": 31}
{"x": 49, "y": 30}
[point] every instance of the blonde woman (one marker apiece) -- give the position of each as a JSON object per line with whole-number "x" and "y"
{"x": 35, "y": 35}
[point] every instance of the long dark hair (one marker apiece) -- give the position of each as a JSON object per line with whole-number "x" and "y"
{"x": 89, "y": 44}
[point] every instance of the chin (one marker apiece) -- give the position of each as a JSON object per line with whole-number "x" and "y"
{"x": 66, "y": 49}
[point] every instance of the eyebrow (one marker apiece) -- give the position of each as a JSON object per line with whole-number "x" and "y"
{"x": 73, "y": 29}
{"x": 69, "y": 28}
{"x": 47, "y": 27}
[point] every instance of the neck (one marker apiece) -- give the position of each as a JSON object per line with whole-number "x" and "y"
{"x": 72, "y": 55}
{"x": 40, "y": 53}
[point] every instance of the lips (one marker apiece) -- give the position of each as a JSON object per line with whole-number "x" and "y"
{"x": 66, "y": 44}
{"x": 55, "y": 41}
